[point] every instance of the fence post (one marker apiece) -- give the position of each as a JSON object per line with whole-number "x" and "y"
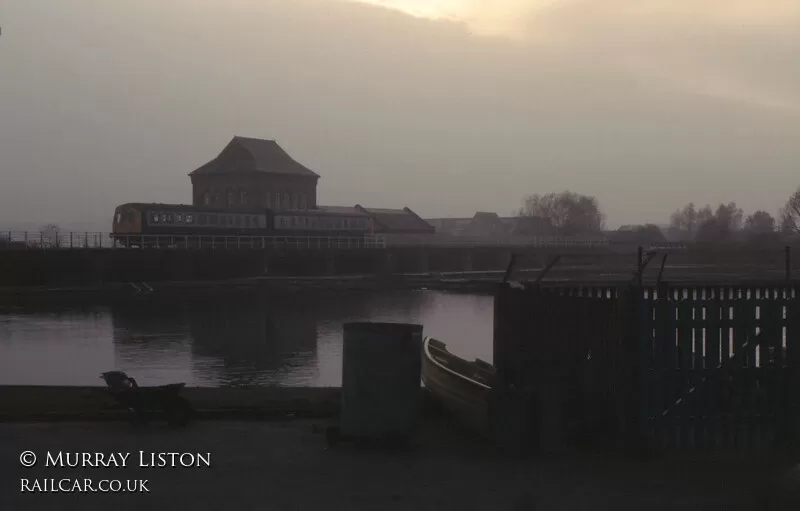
{"x": 634, "y": 337}
{"x": 787, "y": 254}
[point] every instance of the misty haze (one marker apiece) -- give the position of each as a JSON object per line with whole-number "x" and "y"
{"x": 469, "y": 109}
{"x": 367, "y": 255}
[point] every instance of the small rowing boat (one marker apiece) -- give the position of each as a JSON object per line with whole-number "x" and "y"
{"x": 462, "y": 387}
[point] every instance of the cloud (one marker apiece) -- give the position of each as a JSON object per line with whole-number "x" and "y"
{"x": 645, "y": 107}
{"x": 742, "y": 51}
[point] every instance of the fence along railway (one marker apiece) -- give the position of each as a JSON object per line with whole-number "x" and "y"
{"x": 30, "y": 240}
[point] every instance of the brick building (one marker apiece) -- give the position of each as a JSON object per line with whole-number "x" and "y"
{"x": 252, "y": 173}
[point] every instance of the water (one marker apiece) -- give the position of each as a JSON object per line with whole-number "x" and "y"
{"x": 232, "y": 339}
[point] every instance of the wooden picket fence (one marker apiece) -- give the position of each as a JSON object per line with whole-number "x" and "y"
{"x": 709, "y": 367}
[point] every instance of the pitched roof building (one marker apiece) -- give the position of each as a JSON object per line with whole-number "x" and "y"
{"x": 252, "y": 173}
{"x": 396, "y": 220}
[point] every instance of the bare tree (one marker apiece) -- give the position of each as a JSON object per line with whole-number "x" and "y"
{"x": 688, "y": 220}
{"x": 49, "y": 234}
{"x": 759, "y": 222}
{"x": 790, "y": 215}
{"x": 569, "y": 213}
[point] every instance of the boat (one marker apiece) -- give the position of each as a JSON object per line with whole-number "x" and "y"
{"x": 461, "y": 386}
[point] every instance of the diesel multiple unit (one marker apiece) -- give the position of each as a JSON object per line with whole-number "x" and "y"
{"x": 183, "y": 220}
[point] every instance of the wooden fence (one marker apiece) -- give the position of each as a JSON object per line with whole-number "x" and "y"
{"x": 698, "y": 367}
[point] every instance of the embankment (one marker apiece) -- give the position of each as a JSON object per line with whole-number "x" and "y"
{"x": 52, "y": 403}
{"x": 92, "y": 267}
{"x": 125, "y": 271}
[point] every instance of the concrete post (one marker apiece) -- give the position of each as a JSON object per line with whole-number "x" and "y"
{"x": 389, "y": 264}
{"x": 467, "y": 263}
{"x": 330, "y": 263}
{"x": 422, "y": 263}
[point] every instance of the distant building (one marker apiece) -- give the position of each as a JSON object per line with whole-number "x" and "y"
{"x": 251, "y": 173}
{"x": 396, "y": 221}
{"x": 647, "y": 234}
{"x": 487, "y": 224}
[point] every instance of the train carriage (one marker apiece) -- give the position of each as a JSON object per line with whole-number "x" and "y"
{"x": 139, "y": 224}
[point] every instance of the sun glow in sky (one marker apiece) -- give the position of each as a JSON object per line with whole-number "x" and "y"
{"x": 496, "y": 17}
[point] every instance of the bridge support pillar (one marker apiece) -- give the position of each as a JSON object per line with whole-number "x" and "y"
{"x": 422, "y": 262}
{"x": 466, "y": 264}
{"x": 389, "y": 264}
{"x": 330, "y": 264}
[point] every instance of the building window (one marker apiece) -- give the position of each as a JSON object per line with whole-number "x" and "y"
{"x": 255, "y": 221}
{"x": 206, "y": 198}
{"x": 216, "y": 198}
{"x": 189, "y": 218}
{"x": 247, "y": 221}
{"x": 243, "y": 197}
{"x": 282, "y": 221}
{"x": 303, "y": 201}
{"x": 305, "y": 221}
{"x": 230, "y": 199}
{"x": 179, "y": 218}
{"x": 213, "y": 220}
{"x": 202, "y": 219}
{"x": 163, "y": 218}
{"x": 268, "y": 200}
{"x": 295, "y": 201}
{"x": 237, "y": 220}
{"x": 277, "y": 200}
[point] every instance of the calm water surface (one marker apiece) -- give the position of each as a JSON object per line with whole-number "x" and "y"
{"x": 232, "y": 339}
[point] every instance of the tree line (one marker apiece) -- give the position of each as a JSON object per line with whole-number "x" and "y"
{"x": 573, "y": 214}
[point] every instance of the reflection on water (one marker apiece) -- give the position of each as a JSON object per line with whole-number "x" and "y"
{"x": 232, "y": 339}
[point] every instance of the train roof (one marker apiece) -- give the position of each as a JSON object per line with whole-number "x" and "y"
{"x": 321, "y": 210}
{"x": 184, "y": 207}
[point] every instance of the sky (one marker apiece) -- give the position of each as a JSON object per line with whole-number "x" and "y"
{"x": 445, "y": 106}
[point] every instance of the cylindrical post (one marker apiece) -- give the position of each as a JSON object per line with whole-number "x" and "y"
{"x": 639, "y": 263}
{"x": 787, "y": 254}
{"x": 381, "y": 372}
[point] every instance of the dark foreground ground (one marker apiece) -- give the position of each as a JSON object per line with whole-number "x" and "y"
{"x": 287, "y": 466}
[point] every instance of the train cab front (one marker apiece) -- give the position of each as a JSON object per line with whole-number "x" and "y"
{"x": 127, "y": 223}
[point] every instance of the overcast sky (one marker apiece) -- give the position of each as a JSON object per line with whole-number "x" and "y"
{"x": 445, "y": 106}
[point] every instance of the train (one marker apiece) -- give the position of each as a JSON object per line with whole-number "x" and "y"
{"x": 136, "y": 223}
